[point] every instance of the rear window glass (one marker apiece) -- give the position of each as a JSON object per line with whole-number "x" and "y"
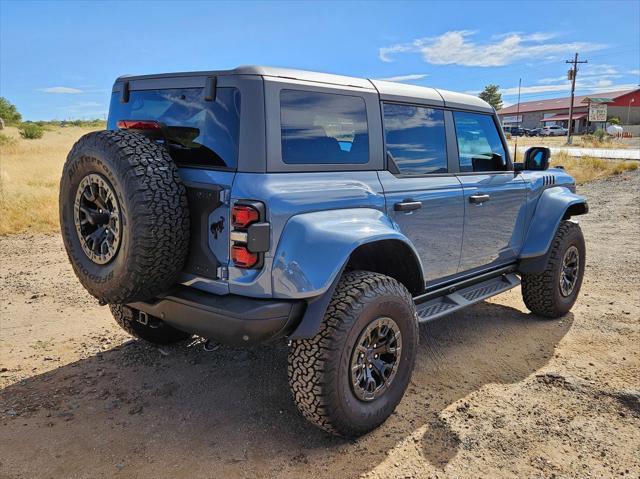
{"x": 323, "y": 128}
{"x": 197, "y": 132}
{"x": 415, "y": 138}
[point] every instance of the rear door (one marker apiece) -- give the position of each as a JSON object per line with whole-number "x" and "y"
{"x": 423, "y": 195}
{"x": 494, "y": 196}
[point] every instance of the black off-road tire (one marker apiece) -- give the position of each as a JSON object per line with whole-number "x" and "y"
{"x": 156, "y": 331}
{"x": 319, "y": 368}
{"x": 541, "y": 291}
{"x": 154, "y": 213}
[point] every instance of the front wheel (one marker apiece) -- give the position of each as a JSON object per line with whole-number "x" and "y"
{"x": 352, "y": 374}
{"x": 553, "y": 292}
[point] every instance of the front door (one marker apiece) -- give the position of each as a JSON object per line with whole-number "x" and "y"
{"x": 494, "y": 196}
{"x": 424, "y": 199}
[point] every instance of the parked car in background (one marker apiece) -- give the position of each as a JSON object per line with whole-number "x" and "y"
{"x": 553, "y": 130}
{"x": 515, "y": 130}
{"x": 534, "y": 132}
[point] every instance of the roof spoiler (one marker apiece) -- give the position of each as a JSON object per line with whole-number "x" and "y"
{"x": 124, "y": 92}
{"x": 210, "y": 84}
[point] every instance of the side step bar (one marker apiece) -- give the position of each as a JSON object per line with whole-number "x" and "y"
{"x": 461, "y": 298}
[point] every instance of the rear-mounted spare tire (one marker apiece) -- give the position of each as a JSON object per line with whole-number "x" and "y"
{"x": 124, "y": 216}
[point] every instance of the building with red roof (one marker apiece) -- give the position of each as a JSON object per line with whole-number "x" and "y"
{"x": 624, "y": 104}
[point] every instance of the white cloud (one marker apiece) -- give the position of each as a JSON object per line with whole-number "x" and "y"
{"x": 411, "y": 76}
{"x": 634, "y": 72}
{"x": 456, "y": 48}
{"x": 593, "y": 73}
{"x": 83, "y": 104}
{"x": 546, "y": 81}
{"x": 84, "y": 109}
{"x": 597, "y": 69}
{"x": 587, "y": 86}
{"x": 60, "y": 89}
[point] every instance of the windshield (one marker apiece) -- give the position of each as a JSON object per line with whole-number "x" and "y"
{"x": 197, "y": 132}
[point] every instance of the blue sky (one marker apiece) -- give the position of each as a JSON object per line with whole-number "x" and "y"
{"x": 58, "y": 59}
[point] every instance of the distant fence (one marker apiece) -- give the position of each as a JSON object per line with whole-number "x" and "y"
{"x": 633, "y": 129}
{"x": 604, "y": 153}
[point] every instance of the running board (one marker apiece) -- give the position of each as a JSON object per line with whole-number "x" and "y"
{"x": 448, "y": 303}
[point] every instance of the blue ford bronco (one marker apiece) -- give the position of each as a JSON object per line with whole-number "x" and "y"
{"x": 260, "y": 203}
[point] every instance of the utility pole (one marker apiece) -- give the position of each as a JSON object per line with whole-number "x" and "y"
{"x": 572, "y": 76}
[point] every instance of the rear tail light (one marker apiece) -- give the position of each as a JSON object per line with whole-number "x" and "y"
{"x": 139, "y": 125}
{"x": 242, "y": 257}
{"x": 250, "y": 234}
{"x": 243, "y": 215}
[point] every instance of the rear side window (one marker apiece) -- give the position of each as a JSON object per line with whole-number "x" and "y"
{"x": 197, "y": 132}
{"x": 415, "y": 138}
{"x": 479, "y": 145}
{"x": 323, "y": 128}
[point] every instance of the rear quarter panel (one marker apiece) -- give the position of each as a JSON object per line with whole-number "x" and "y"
{"x": 287, "y": 195}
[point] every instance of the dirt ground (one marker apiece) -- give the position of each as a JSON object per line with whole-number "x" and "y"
{"x": 496, "y": 391}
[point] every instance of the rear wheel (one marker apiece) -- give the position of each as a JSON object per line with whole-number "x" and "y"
{"x": 553, "y": 292}
{"x": 352, "y": 374}
{"x": 149, "y": 328}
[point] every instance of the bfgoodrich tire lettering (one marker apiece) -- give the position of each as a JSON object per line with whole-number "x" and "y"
{"x": 541, "y": 292}
{"x": 153, "y": 212}
{"x": 320, "y": 367}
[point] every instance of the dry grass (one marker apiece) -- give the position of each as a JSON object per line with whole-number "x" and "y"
{"x": 30, "y": 172}
{"x": 587, "y": 168}
{"x": 578, "y": 142}
{"x": 29, "y": 176}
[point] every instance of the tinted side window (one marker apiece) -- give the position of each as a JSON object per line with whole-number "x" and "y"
{"x": 479, "y": 144}
{"x": 415, "y": 138}
{"x": 323, "y": 128}
{"x": 197, "y": 132}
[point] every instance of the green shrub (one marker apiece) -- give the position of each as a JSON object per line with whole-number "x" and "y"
{"x": 599, "y": 134}
{"x": 6, "y": 140}
{"x": 31, "y": 131}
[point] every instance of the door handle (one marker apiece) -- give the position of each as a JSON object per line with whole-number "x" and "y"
{"x": 407, "y": 205}
{"x": 478, "y": 199}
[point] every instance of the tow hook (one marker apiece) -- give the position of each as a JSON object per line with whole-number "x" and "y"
{"x": 211, "y": 345}
{"x": 207, "y": 344}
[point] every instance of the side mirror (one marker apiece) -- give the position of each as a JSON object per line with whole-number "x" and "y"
{"x": 537, "y": 158}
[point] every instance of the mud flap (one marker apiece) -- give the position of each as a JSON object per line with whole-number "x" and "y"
{"x": 314, "y": 314}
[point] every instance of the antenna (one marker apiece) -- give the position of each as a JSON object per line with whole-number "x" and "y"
{"x": 515, "y": 153}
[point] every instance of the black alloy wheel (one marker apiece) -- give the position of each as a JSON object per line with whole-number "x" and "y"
{"x": 375, "y": 359}
{"x": 97, "y": 218}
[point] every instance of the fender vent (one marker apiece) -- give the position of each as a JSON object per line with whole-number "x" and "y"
{"x": 548, "y": 180}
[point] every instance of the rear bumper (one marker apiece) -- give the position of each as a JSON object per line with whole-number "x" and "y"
{"x": 230, "y": 319}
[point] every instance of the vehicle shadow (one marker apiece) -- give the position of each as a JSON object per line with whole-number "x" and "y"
{"x": 182, "y": 412}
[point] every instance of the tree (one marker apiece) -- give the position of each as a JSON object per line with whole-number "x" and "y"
{"x": 491, "y": 94}
{"x": 8, "y": 112}
{"x": 614, "y": 120}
